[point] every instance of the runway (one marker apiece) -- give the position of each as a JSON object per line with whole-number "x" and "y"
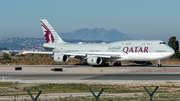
{"x": 93, "y": 76}
{"x": 79, "y": 73}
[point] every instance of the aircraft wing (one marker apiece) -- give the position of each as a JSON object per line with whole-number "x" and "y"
{"x": 93, "y": 54}
{"x": 41, "y": 46}
{"x": 106, "y": 55}
{"x": 79, "y": 54}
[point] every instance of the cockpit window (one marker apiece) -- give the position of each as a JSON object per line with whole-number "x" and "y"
{"x": 162, "y": 43}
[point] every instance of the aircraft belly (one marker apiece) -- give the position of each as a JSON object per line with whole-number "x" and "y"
{"x": 166, "y": 55}
{"x": 110, "y": 59}
{"x": 137, "y": 56}
{"x": 142, "y": 57}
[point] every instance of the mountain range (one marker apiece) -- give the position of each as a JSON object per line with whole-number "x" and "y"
{"x": 111, "y": 35}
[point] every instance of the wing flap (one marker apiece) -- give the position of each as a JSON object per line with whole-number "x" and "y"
{"x": 107, "y": 55}
{"x": 93, "y": 54}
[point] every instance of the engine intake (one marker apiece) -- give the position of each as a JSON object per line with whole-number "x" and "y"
{"x": 62, "y": 58}
{"x": 94, "y": 60}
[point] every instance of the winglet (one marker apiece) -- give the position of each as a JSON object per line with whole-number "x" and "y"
{"x": 50, "y": 34}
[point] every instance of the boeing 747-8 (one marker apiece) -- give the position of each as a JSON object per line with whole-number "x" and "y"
{"x": 99, "y": 54}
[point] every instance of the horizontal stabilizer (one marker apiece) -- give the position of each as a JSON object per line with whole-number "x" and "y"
{"x": 41, "y": 46}
{"x": 34, "y": 52}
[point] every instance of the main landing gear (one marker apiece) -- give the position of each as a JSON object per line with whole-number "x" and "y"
{"x": 159, "y": 63}
{"x": 103, "y": 64}
{"x": 118, "y": 63}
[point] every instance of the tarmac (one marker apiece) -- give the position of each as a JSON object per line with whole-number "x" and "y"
{"x": 89, "y": 74}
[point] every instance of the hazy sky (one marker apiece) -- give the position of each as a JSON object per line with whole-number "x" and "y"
{"x": 139, "y": 19}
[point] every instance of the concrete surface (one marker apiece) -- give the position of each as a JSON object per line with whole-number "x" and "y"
{"x": 89, "y": 74}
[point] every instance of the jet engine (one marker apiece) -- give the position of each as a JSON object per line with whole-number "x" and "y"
{"x": 61, "y": 58}
{"x": 94, "y": 60}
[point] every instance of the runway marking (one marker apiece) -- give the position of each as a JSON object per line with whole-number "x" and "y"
{"x": 65, "y": 70}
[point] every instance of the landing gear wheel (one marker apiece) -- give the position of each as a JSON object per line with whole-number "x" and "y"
{"x": 107, "y": 64}
{"x": 103, "y": 64}
{"x": 159, "y": 63}
{"x": 117, "y": 63}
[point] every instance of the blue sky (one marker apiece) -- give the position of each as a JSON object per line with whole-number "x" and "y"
{"x": 139, "y": 19}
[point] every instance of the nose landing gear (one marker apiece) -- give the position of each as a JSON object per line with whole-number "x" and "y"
{"x": 159, "y": 63}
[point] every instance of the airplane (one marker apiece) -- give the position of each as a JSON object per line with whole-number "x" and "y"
{"x": 99, "y": 53}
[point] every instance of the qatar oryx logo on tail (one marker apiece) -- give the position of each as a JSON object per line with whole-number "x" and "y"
{"x": 48, "y": 35}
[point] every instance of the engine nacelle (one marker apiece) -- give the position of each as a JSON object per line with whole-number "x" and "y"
{"x": 61, "y": 58}
{"x": 94, "y": 60}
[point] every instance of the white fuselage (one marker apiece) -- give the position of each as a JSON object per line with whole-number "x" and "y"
{"x": 127, "y": 50}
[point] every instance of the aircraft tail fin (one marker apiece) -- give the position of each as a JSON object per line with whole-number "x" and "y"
{"x": 50, "y": 34}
